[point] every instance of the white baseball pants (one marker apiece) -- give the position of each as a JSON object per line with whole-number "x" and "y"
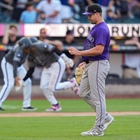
{"x": 8, "y": 75}
{"x": 50, "y": 80}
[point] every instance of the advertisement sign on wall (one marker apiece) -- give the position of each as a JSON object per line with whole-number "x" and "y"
{"x": 80, "y": 30}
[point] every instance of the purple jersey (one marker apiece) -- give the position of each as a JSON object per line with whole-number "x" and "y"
{"x": 98, "y": 35}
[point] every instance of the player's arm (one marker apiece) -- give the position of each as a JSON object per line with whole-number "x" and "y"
{"x": 31, "y": 69}
{"x": 68, "y": 61}
{"x": 100, "y": 41}
{"x": 57, "y": 43}
{"x": 97, "y": 50}
{"x": 16, "y": 62}
{"x": 48, "y": 48}
{"x": 29, "y": 73}
{"x": 44, "y": 47}
{"x": 15, "y": 66}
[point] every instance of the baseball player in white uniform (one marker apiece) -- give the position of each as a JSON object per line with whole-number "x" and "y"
{"x": 52, "y": 61}
{"x": 13, "y": 70}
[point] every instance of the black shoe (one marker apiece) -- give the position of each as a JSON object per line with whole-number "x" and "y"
{"x": 1, "y": 109}
{"x": 29, "y": 108}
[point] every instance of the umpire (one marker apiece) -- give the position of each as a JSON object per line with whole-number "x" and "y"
{"x": 95, "y": 54}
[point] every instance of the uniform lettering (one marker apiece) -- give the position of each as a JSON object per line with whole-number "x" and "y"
{"x": 90, "y": 38}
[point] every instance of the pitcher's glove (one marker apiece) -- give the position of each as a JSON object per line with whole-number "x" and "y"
{"x": 78, "y": 72}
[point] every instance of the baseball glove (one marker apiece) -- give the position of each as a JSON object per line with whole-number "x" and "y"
{"x": 78, "y": 73}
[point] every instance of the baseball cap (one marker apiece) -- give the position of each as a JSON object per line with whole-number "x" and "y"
{"x": 93, "y": 9}
{"x": 68, "y": 32}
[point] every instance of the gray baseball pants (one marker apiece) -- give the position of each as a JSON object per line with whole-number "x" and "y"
{"x": 92, "y": 89}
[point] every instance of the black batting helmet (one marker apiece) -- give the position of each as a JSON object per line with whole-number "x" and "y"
{"x": 33, "y": 39}
{"x": 25, "y": 43}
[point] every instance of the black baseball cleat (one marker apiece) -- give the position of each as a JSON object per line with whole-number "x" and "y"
{"x": 1, "y": 109}
{"x": 29, "y": 108}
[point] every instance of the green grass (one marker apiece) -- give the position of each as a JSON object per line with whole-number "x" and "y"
{"x": 68, "y": 128}
{"x": 75, "y": 105}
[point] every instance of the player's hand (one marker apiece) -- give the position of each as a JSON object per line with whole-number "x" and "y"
{"x": 17, "y": 81}
{"x": 82, "y": 65}
{"x": 73, "y": 51}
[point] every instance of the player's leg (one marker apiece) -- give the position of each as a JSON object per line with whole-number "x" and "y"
{"x": 104, "y": 67}
{"x": 56, "y": 76}
{"x": 103, "y": 119}
{"x": 97, "y": 86}
{"x": 97, "y": 72}
{"x": 7, "y": 70}
{"x": 48, "y": 93}
{"x": 87, "y": 96}
{"x": 27, "y": 89}
{"x": 97, "y": 89}
{"x": 85, "y": 92}
{"x": 108, "y": 120}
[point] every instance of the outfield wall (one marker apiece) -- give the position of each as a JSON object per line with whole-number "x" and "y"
{"x": 112, "y": 91}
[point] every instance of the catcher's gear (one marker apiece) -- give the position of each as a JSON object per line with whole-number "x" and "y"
{"x": 33, "y": 39}
{"x": 25, "y": 43}
{"x": 78, "y": 73}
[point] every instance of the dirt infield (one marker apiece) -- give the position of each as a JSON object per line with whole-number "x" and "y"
{"x": 69, "y": 114}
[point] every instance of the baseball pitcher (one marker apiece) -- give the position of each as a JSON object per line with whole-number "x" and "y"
{"x": 95, "y": 54}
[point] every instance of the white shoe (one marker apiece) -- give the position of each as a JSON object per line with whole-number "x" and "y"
{"x": 107, "y": 122}
{"x": 75, "y": 87}
{"x": 69, "y": 62}
{"x": 92, "y": 132}
{"x": 54, "y": 108}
